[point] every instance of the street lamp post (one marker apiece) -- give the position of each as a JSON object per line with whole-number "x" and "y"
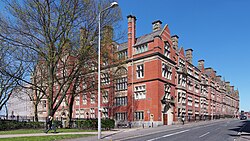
{"x": 112, "y": 5}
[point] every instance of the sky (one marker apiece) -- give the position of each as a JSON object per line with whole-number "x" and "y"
{"x": 218, "y": 31}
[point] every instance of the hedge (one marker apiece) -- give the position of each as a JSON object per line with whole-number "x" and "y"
{"x": 12, "y": 125}
{"x": 107, "y": 124}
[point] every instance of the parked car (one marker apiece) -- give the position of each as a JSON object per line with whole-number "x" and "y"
{"x": 243, "y": 117}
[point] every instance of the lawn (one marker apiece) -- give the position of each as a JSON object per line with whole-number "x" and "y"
{"x": 31, "y": 131}
{"x": 44, "y": 138}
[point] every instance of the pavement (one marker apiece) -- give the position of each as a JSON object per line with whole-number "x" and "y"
{"x": 244, "y": 131}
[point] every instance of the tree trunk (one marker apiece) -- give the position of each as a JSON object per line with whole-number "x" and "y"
{"x": 35, "y": 112}
{"x": 71, "y": 103}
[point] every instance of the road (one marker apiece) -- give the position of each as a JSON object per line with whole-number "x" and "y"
{"x": 219, "y": 131}
{"x": 215, "y": 130}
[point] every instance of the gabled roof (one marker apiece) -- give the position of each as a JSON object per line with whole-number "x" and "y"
{"x": 146, "y": 38}
{"x": 122, "y": 46}
{"x": 140, "y": 40}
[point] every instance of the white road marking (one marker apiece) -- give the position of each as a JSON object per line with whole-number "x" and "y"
{"x": 168, "y": 135}
{"x": 204, "y": 135}
{"x": 217, "y": 128}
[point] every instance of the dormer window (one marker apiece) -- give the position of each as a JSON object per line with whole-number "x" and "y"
{"x": 141, "y": 48}
{"x": 167, "y": 50}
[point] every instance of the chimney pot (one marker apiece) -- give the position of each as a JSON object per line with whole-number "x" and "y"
{"x": 189, "y": 55}
{"x": 156, "y": 25}
{"x": 201, "y": 65}
{"x": 175, "y": 41}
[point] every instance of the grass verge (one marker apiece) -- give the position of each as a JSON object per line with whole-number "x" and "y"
{"x": 45, "y": 138}
{"x": 32, "y": 131}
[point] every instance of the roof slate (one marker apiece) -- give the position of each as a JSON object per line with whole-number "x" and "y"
{"x": 140, "y": 40}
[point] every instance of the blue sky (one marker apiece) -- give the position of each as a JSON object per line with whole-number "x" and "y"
{"x": 217, "y": 30}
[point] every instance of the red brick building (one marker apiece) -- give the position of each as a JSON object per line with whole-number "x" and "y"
{"x": 158, "y": 83}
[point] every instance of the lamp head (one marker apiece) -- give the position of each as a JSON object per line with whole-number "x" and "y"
{"x": 113, "y": 4}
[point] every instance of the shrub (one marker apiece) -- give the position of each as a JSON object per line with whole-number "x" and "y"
{"x": 107, "y": 124}
{"x": 12, "y": 125}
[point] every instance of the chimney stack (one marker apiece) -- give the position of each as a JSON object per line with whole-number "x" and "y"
{"x": 232, "y": 88}
{"x": 201, "y": 65}
{"x": 189, "y": 55}
{"x": 131, "y": 34}
{"x": 156, "y": 25}
{"x": 175, "y": 41}
{"x": 218, "y": 78}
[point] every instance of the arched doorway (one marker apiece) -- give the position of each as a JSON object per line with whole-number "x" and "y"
{"x": 167, "y": 103}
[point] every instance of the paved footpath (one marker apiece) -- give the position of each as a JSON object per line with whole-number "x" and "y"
{"x": 244, "y": 132}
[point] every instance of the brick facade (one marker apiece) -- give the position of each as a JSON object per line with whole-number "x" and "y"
{"x": 158, "y": 83}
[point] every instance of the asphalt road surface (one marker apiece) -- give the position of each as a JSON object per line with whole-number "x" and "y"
{"x": 226, "y": 130}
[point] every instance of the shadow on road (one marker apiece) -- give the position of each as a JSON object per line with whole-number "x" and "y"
{"x": 244, "y": 127}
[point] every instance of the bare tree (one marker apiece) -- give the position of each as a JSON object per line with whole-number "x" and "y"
{"x": 8, "y": 65}
{"x": 47, "y": 32}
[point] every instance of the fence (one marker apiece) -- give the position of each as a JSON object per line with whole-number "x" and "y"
{"x": 22, "y": 118}
{"x": 200, "y": 118}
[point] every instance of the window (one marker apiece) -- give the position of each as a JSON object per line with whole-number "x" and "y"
{"x": 81, "y": 113}
{"x": 57, "y": 87}
{"x": 166, "y": 71}
{"x": 77, "y": 113}
{"x": 179, "y": 97}
{"x": 179, "y": 79}
{"x": 44, "y": 104}
{"x": 140, "y": 92}
{"x": 139, "y": 115}
{"x": 92, "y": 99}
{"x": 84, "y": 99}
{"x": 84, "y": 86}
{"x": 105, "y": 97}
{"x": 196, "y": 104}
{"x": 122, "y": 55}
{"x": 121, "y": 84}
{"x": 181, "y": 63}
{"x": 121, "y": 101}
{"x": 182, "y": 80}
{"x": 77, "y": 100}
{"x": 105, "y": 62}
{"x": 197, "y": 88}
{"x": 121, "y": 116}
{"x": 189, "y": 71}
{"x": 190, "y": 112}
{"x": 167, "y": 90}
{"x": 92, "y": 113}
{"x": 105, "y": 113}
{"x": 105, "y": 79}
{"x": 190, "y": 85}
{"x": 167, "y": 50}
{"x": 63, "y": 103}
{"x": 196, "y": 75}
{"x": 141, "y": 48}
{"x": 179, "y": 112}
{"x": 140, "y": 71}
{"x": 190, "y": 100}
